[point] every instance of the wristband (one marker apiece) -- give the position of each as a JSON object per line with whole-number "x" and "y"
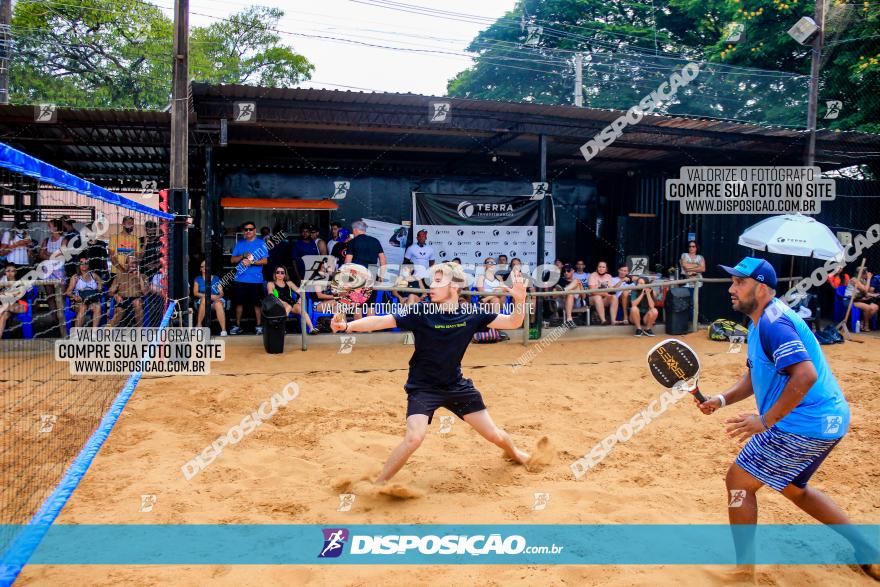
{"x": 721, "y": 399}
{"x": 763, "y": 422}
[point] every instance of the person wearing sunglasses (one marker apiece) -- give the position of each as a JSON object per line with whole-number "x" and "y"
{"x": 287, "y": 293}
{"x": 249, "y": 254}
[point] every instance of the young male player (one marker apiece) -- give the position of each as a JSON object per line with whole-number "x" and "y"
{"x": 802, "y": 413}
{"x": 442, "y": 331}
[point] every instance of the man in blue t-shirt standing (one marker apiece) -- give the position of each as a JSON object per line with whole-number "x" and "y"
{"x": 249, "y": 254}
{"x": 442, "y": 331}
{"x": 802, "y": 413}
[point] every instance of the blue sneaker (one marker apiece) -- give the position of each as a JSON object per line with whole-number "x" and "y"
{"x": 235, "y": 330}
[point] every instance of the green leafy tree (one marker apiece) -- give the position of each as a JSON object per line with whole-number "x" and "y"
{"x": 117, "y": 53}
{"x": 630, "y": 45}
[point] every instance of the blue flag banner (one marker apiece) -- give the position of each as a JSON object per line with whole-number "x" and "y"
{"x": 452, "y": 544}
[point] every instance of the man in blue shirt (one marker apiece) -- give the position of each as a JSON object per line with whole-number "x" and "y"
{"x": 442, "y": 331}
{"x": 802, "y": 413}
{"x": 250, "y": 254}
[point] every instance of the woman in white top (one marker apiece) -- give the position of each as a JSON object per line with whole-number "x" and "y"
{"x": 692, "y": 263}
{"x": 489, "y": 282}
{"x": 53, "y": 243}
{"x": 84, "y": 291}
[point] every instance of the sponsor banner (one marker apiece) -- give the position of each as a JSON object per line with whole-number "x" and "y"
{"x": 443, "y": 544}
{"x": 392, "y": 237}
{"x": 475, "y": 227}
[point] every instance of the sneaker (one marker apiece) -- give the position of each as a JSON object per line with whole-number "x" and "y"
{"x": 639, "y": 332}
{"x": 259, "y": 330}
{"x": 222, "y": 333}
{"x": 235, "y": 330}
{"x": 649, "y": 332}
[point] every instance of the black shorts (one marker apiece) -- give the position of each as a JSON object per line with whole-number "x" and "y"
{"x": 461, "y": 399}
{"x": 248, "y": 294}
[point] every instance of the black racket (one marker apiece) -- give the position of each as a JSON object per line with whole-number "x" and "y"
{"x": 675, "y": 365}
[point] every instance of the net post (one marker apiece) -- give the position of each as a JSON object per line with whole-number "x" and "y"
{"x": 697, "y": 285}
{"x": 526, "y": 321}
{"x": 179, "y": 278}
{"x": 59, "y": 310}
{"x": 303, "y": 301}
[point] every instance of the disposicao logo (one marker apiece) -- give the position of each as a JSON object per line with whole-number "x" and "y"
{"x": 334, "y": 541}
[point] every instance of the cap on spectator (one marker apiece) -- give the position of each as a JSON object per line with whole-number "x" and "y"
{"x": 758, "y": 269}
{"x": 566, "y": 267}
{"x": 150, "y": 224}
{"x": 124, "y": 218}
{"x": 21, "y": 224}
{"x": 343, "y": 235}
{"x": 422, "y": 231}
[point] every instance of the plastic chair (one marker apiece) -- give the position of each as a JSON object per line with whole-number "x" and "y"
{"x": 841, "y": 303}
{"x": 26, "y": 318}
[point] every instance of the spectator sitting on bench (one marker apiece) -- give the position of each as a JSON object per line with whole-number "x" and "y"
{"x": 489, "y": 282}
{"x": 621, "y": 298}
{"x": 84, "y": 292}
{"x": 15, "y": 307}
{"x": 407, "y": 278}
{"x": 217, "y": 302}
{"x": 864, "y": 297}
{"x": 128, "y": 290}
{"x": 518, "y": 276}
{"x": 285, "y": 290}
{"x": 567, "y": 282}
{"x": 601, "y": 279}
{"x": 643, "y": 309}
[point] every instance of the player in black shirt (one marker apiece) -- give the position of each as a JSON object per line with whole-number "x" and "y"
{"x": 442, "y": 331}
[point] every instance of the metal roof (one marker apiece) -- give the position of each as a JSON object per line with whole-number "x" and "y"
{"x": 315, "y": 129}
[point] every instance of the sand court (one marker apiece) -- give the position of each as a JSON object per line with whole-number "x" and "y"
{"x": 349, "y": 414}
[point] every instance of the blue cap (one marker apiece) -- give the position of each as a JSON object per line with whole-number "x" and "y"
{"x": 758, "y": 269}
{"x": 342, "y": 235}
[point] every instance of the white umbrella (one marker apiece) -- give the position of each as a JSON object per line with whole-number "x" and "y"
{"x": 793, "y": 234}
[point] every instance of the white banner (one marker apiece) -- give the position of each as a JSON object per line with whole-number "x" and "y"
{"x": 392, "y": 237}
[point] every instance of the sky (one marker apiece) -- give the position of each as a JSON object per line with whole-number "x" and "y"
{"x": 345, "y": 65}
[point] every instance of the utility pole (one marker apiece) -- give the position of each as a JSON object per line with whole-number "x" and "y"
{"x": 579, "y": 79}
{"x": 5, "y": 48}
{"x": 813, "y": 106}
{"x": 180, "y": 156}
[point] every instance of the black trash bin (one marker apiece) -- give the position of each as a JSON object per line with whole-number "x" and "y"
{"x": 274, "y": 321}
{"x": 679, "y": 310}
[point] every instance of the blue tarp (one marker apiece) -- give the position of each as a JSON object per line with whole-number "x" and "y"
{"x": 22, "y": 163}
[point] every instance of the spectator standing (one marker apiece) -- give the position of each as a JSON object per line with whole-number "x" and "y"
{"x": 366, "y": 250}
{"x": 319, "y": 242}
{"x": 421, "y": 254}
{"x": 123, "y": 245}
{"x": 341, "y": 247}
{"x": 334, "y": 236}
{"x": 692, "y": 262}
{"x": 304, "y": 245}
{"x": 52, "y": 244}
{"x": 248, "y": 287}
{"x": 16, "y": 244}
{"x": 97, "y": 251}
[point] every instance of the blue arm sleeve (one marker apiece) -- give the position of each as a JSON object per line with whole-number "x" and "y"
{"x": 782, "y": 343}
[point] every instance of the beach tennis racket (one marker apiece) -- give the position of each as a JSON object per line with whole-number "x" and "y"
{"x": 675, "y": 365}
{"x": 352, "y": 285}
